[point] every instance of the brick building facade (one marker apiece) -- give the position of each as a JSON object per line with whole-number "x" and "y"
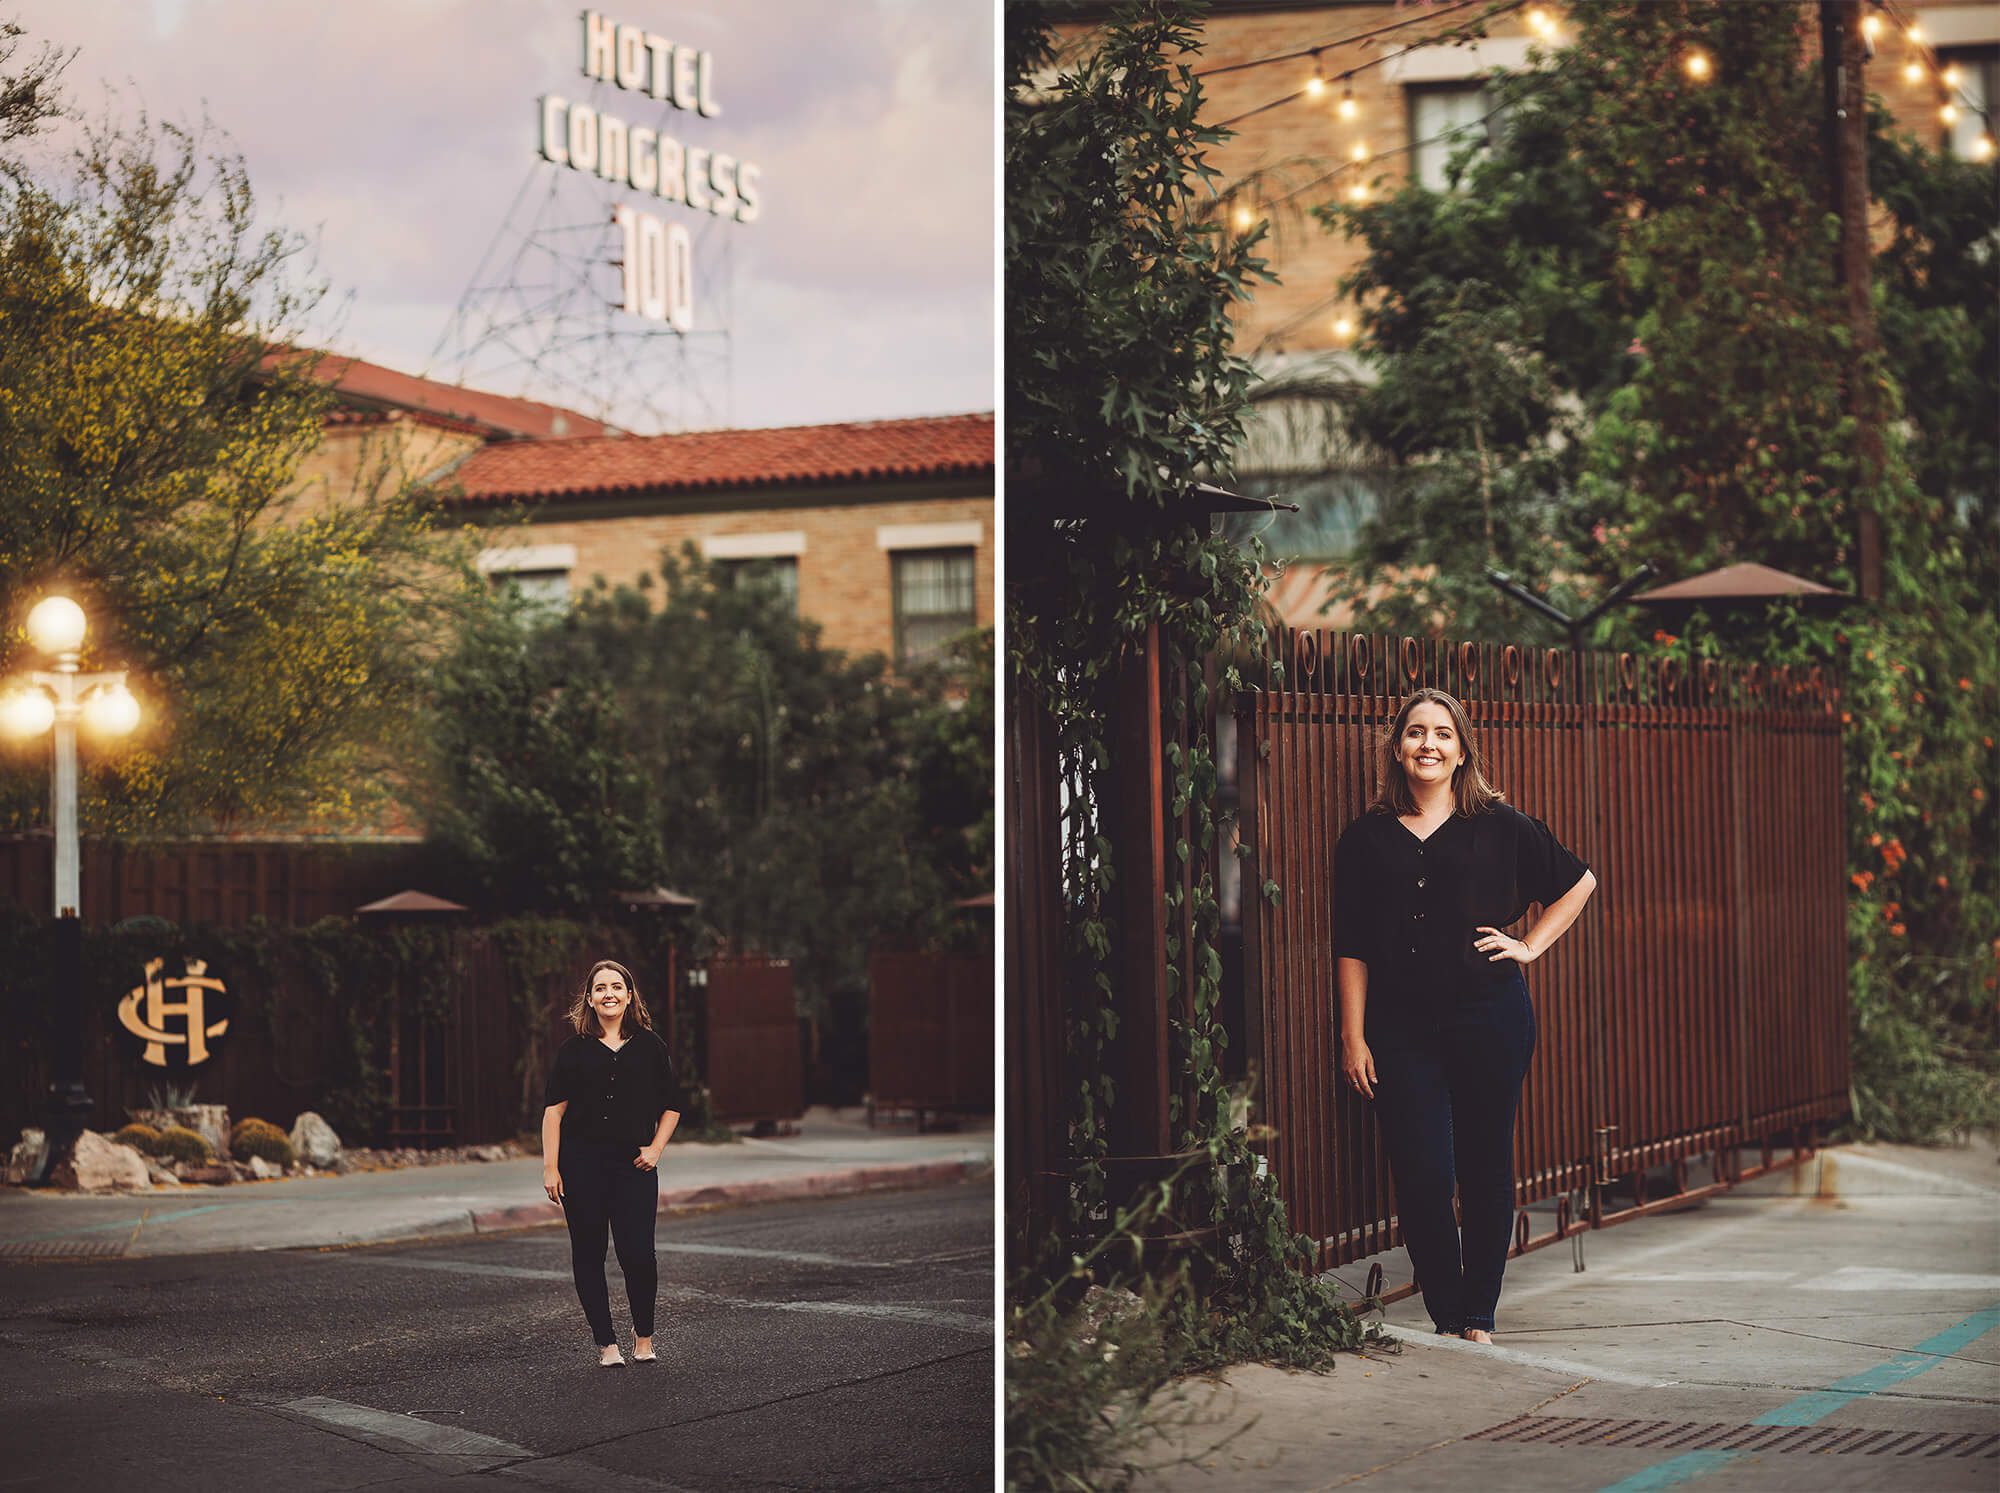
{"x": 881, "y": 532}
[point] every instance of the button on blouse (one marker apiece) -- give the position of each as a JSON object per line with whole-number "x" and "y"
{"x": 1410, "y": 908}
{"x": 613, "y": 1096}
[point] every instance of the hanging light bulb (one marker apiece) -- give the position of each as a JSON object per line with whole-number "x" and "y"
{"x": 1318, "y": 84}
{"x": 1915, "y": 34}
{"x": 1871, "y": 26}
{"x": 1343, "y": 329}
{"x": 1697, "y": 66}
{"x": 1359, "y": 152}
{"x": 1358, "y": 192}
{"x": 1543, "y": 24}
{"x": 1913, "y": 72}
{"x": 1982, "y": 148}
{"x": 1953, "y": 76}
{"x": 1347, "y": 109}
{"x": 1949, "y": 114}
{"x": 1243, "y": 220}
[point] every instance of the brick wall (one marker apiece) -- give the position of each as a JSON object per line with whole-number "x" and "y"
{"x": 844, "y": 574}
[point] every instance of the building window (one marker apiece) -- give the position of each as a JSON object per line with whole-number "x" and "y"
{"x": 540, "y": 573}
{"x": 779, "y": 572}
{"x": 933, "y": 598}
{"x": 1444, "y": 118}
{"x": 541, "y": 588}
{"x": 1979, "y": 82}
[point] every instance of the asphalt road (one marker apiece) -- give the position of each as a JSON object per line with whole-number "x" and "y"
{"x": 844, "y": 1344}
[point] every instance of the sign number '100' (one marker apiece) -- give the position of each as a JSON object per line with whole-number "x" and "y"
{"x": 658, "y": 268}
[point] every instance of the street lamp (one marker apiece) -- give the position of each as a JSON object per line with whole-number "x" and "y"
{"x": 58, "y": 698}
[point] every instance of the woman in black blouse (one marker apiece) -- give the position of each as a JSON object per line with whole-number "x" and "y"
{"x": 612, "y": 1104}
{"x": 1436, "y": 1027}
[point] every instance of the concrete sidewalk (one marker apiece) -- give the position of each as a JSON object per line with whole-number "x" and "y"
{"x": 1837, "y": 1327}
{"x": 834, "y": 1153}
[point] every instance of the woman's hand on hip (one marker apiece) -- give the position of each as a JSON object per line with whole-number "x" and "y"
{"x": 648, "y": 1158}
{"x": 1358, "y": 1063}
{"x": 1497, "y": 946}
{"x": 552, "y": 1184}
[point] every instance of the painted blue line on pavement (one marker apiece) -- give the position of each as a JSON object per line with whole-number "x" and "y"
{"x": 116, "y": 1223}
{"x": 1809, "y": 1409}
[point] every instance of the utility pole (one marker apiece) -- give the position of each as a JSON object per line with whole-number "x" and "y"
{"x": 1843, "y": 53}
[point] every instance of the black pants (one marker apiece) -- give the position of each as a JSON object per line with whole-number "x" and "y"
{"x": 1446, "y": 1101}
{"x": 603, "y": 1193}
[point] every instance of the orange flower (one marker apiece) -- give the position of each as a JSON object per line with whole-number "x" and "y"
{"x": 1979, "y": 795}
{"x": 1875, "y": 839}
{"x": 1861, "y": 880}
{"x": 1900, "y": 669}
{"x": 1989, "y": 742}
{"x": 1944, "y": 881}
{"x": 1895, "y": 756}
{"x": 1868, "y": 802}
{"x": 1899, "y": 930}
{"x": 1846, "y": 719}
{"x": 1919, "y": 697}
{"x": 1964, "y": 683}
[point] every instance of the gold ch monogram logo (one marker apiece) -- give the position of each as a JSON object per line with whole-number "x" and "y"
{"x": 150, "y": 1026}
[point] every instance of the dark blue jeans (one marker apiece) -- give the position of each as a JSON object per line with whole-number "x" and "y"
{"x": 604, "y": 1194}
{"x": 1446, "y": 1100}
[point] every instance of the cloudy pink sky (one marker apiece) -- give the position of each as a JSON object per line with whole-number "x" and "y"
{"x": 396, "y": 133}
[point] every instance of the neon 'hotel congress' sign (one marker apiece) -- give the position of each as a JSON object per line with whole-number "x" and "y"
{"x": 658, "y": 263}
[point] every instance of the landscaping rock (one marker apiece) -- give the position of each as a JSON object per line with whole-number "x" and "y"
{"x": 162, "y": 1176}
{"x": 489, "y": 1153}
{"x": 211, "y": 1175}
{"x": 264, "y": 1170}
{"x": 100, "y": 1164}
{"x": 26, "y": 1159}
{"x": 314, "y": 1140}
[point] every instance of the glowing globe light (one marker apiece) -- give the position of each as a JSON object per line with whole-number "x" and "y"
{"x": 1315, "y": 87}
{"x": 1697, "y": 66}
{"x": 1871, "y": 27}
{"x": 1913, "y": 72}
{"x": 57, "y": 625}
{"x": 1360, "y": 151}
{"x": 26, "y": 712}
{"x": 1982, "y": 148}
{"x": 111, "y": 711}
{"x": 1343, "y": 329}
{"x": 1243, "y": 219}
{"x": 1949, "y": 114}
{"x": 1347, "y": 108}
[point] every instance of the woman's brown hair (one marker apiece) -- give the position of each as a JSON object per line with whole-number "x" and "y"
{"x": 1471, "y": 793}
{"x": 584, "y": 1018}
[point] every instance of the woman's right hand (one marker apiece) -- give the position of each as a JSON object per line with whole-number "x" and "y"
{"x": 552, "y": 1184}
{"x": 1358, "y": 1063}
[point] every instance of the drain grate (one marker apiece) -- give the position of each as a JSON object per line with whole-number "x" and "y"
{"x": 63, "y": 1249}
{"x": 1687, "y": 1436}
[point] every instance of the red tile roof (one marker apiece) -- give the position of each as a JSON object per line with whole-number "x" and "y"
{"x": 371, "y": 384}
{"x": 796, "y": 455}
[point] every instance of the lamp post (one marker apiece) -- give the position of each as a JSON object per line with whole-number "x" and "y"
{"x": 58, "y": 698}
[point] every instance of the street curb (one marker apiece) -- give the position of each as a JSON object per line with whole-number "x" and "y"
{"x": 843, "y": 1183}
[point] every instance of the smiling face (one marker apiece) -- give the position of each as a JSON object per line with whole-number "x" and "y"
{"x": 609, "y": 997}
{"x": 1429, "y": 748}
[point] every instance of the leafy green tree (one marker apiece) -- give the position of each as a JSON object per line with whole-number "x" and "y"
{"x": 697, "y": 734}
{"x": 148, "y": 448}
{"x": 540, "y": 802}
{"x": 954, "y": 761}
{"x": 1655, "y": 258}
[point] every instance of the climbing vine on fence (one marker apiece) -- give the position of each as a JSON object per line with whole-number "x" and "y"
{"x": 1123, "y": 394}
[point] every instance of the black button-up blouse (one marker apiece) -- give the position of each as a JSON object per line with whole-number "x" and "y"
{"x": 613, "y": 1096}
{"x": 1410, "y": 909}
